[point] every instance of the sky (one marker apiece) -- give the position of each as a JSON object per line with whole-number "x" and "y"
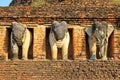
{"x": 5, "y": 2}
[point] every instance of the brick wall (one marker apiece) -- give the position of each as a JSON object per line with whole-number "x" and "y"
{"x": 40, "y": 50}
{"x": 3, "y": 43}
{"x": 73, "y": 15}
{"x": 78, "y": 14}
{"x": 117, "y": 43}
{"x": 74, "y": 12}
{"x": 60, "y": 70}
{"x": 68, "y": 2}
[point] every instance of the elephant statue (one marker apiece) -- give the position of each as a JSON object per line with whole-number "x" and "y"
{"x": 21, "y": 39}
{"x": 98, "y": 34}
{"x": 59, "y": 38}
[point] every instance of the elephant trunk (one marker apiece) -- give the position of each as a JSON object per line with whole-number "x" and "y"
{"x": 59, "y": 35}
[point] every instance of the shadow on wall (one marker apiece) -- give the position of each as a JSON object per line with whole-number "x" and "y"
{"x": 48, "y": 50}
{"x": 118, "y": 22}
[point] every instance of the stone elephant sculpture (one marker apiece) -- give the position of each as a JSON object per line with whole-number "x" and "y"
{"x": 59, "y": 38}
{"x": 98, "y": 34}
{"x": 21, "y": 39}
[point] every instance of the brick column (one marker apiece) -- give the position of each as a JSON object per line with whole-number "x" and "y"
{"x": 3, "y": 43}
{"x": 39, "y": 51}
{"x": 79, "y": 43}
{"x": 117, "y": 44}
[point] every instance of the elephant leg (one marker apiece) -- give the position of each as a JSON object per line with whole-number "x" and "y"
{"x": 92, "y": 47}
{"x": 105, "y": 55}
{"x": 104, "y": 51}
{"x": 14, "y": 48}
{"x": 54, "y": 52}
{"x": 65, "y": 47}
{"x": 26, "y": 45}
{"x": 65, "y": 52}
{"x": 53, "y": 46}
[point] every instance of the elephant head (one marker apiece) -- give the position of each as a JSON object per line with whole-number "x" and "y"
{"x": 18, "y": 31}
{"x": 20, "y": 39}
{"x": 59, "y": 30}
{"x": 59, "y": 38}
{"x": 99, "y": 33}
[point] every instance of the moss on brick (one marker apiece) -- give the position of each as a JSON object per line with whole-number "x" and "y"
{"x": 38, "y": 2}
{"x": 116, "y": 2}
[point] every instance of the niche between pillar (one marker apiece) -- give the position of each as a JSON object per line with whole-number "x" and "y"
{"x": 70, "y": 49}
{"x": 110, "y": 50}
{"x": 10, "y": 54}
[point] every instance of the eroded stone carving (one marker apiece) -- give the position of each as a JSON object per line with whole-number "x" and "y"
{"x": 59, "y": 38}
{"x": 20, "y": 39}
{"x": 99, "y": 33}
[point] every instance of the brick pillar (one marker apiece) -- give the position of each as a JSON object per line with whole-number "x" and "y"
{"x": 117, "y": 44}
{"x": 3, "y": 43}
{"x": 39, "y": 51}
{"x": 79, "y": 43}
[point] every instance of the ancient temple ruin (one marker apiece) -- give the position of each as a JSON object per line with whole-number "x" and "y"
{"x": 38, "y": 15}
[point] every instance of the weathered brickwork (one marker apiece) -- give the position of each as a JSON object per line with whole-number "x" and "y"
{"x": 117, "y": 43}
{"x": 79, "y": 44}
{"x": 39, "y": 48}
{"x": 72, "y": 14}
{"x": 68, "y": 2}
{"x": 78, "y": 14}
{"x": 60, "y": 70}
{"x": 3, "y": 43}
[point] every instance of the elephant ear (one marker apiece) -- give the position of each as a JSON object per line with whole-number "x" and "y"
{"x": 64, "y": 25}
{"x": 88, "y": 30}
{"x": 110, "y": 29}
{"x": 54, "y": 25}
{"x": 14, "y": 24}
